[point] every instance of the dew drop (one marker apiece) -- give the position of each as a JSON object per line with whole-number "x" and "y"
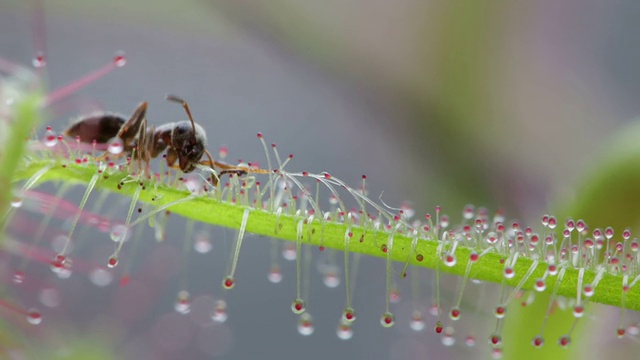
{"x": 219, "y": 314}
{"x": 587, "y": 290}
{"x": 202, "y": 244}
{"x": 100, "y": 277}
{"x": 16, "y": 202}
{"x": 115, "y": 146}
{"x": 620, "y": 333}
{"x": 447, "y": 338}
{"x": 539, "y": 285}
{"x": 119, "y": 59}
{"x": 39, "y": 61}
{"x": 50, "y": 139}
{"x": 495, "y": 340}
{"x": 297, "y": 306}
{"x": 34, "y": 317}
{"x": 417, "y": 322}
{"x": 578, "y": 311}
{"x": 275, "y": 275}
{"x": 289, "y": 252}
{"x": 112, "y": 262}
{"x": 305, "y": 325}
{"x": 331, "y": 279}
{"x": 467, "y": 213}
{"x": 444, "y": 221}
{"x": 500, "y": 312}
{"x": 228, "y": 283}
{"x": 18, "y": 277}
{"x": 454, "y": 314}
{"x": 183, "y": 302}
{"x": 348, "y": 315}
{"x": 470, "y": 341}
{"x": 387, "y": 320}
{"x": 49, "y": 297}
{"x": 344, "y": 332}
{"x": 608, "y": 233}
{"x": 473, "y": 257}
{"x": 545, "y": 220}
{"x": 552, "y": 222}
{"x": 564, "y": 341}
{"x": 118, "y": 232}
{"x": 394, "y": 296}
{"x": 438, "y": 327}
{"x": 537, "y": 341}
{"x": 449, "y": 260}
{"x": 509, "y": 273}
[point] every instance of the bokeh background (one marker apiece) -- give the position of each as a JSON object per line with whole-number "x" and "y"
{"x": 501, "y": 104}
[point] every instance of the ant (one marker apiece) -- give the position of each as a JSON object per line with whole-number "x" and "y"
{"x": 185, "y": 141}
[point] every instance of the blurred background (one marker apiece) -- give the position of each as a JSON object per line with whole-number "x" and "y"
{"x": 501, "y": 104}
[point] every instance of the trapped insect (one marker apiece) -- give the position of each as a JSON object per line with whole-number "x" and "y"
{"x": 185, "y": 141}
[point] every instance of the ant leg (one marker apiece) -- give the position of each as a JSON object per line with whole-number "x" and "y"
{"x": 130, "y": 129}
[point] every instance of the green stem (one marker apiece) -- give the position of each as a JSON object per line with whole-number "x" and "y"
{"x": 27, "y": 111}
{"x": 331, "y": 234}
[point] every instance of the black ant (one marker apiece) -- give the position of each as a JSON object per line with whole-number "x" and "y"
{"x": 185, "y": 141}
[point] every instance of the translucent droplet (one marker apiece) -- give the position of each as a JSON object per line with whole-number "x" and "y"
{"x": 470, "y": 341}
{"x": 348, "y": 315}
{"x": 112, "y": 262}
{"x": 115, "y": 146}
{"x": 289, "y": 252}
{"x": 449, "y": 260}
{"x": 275, "y": 275}
{"x": 509, "y": 273}
{"x": 495, "y": 340}
{"x": 183, "y": 302}
{"x": 100, "y": 277}
{"x": 394, "y": 297}
{"x": 50, "y": 139}
{"x": 454, "y": 314}
{"x": 49, "y": 297}
{"x": 305, "y": 325}
{"x": 539, "y": 285}
{"x": 16, "y": 202}
{"x": 34, "y": 317}
{"x": 387, "y": 320}
{"x": 119, "y": 59}
{"x": 228, "y": 283}
{"x": 297, "y": 306}
{"x": 39, "y": 61}
{"x": 564, "y": 341}
{"x": 219, "y": 314}
{"x": 18, "y": 277}
{"x": 417, "y": 322}
{"x": 447, "y": 338}
{"x": 202, "y": 245}
{"x": 119, "y": 232}
{"x": 537, "y": 341}
{"x": 344, "y": 332}
{"x": 331, "y": 279}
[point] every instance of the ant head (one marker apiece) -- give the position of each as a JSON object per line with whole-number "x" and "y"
{"x": 189, "y": 139}
{"x": 190, "y": 142}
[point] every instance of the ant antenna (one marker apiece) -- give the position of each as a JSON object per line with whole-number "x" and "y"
{"x": 186, "y": 108}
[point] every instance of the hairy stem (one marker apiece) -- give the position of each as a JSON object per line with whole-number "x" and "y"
{"x": 331, "y": 234}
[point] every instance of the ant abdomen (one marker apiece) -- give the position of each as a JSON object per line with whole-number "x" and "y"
{"x": 100, "y": 127}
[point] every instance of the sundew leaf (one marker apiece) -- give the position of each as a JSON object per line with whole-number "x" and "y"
{"x": 331, "y": 234}
{"x": 608, "y": 196}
